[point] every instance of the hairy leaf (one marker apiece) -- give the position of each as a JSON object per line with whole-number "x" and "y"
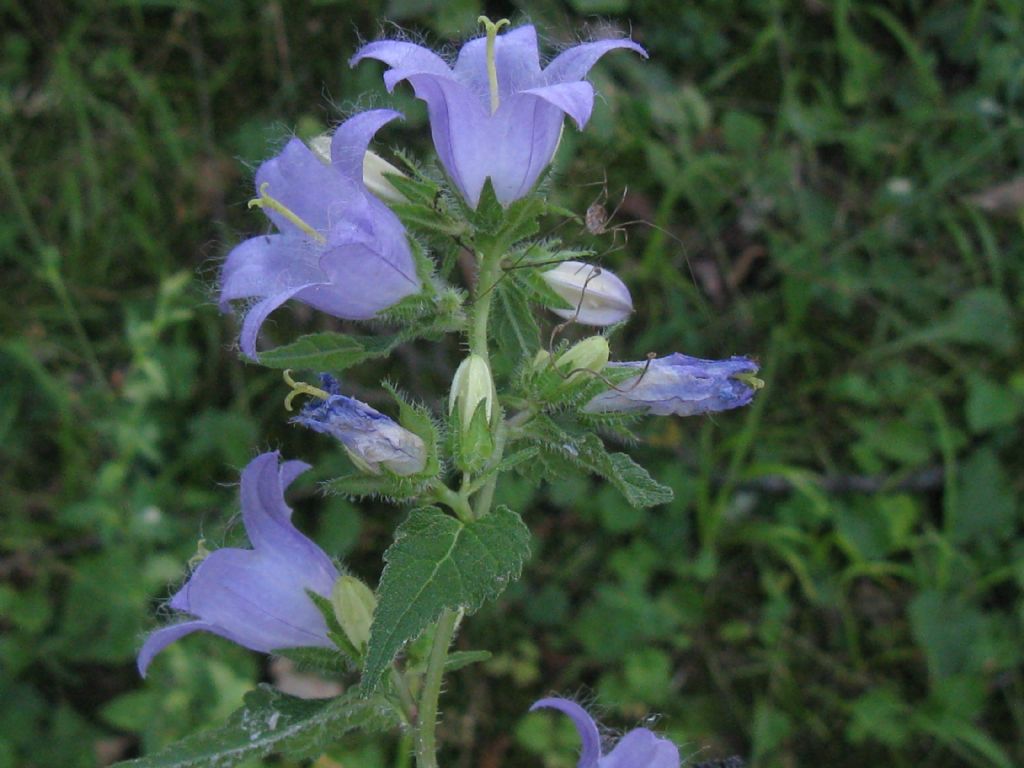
{"x": 438, "y": 562}
{"x": 271, "y": 721}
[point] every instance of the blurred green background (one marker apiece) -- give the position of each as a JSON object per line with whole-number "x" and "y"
{"x": 838, "y": 188}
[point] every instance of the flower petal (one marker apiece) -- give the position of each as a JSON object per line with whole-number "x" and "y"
{"x": 516, "y": 60}
{"x": 575, "y": 99}
{"x": 258, "y": 313}
{"x": 257, "y": 600}
{"x": 574, "y": 64}
{"x": 527, "y": 129}
{"x": 348, "y": 147}
{"x": 268, "y": 522}
{"x": 164, "y": 636}
{"x": 459, "y": 127}
{"x": 269, "y": 264}
{"x": 408, "y": 58}
{"x": 297, "y": 179}
{"x": 641, "y": 748}
{"x": 362, "y": 282}
{"x": 590, "y": 753}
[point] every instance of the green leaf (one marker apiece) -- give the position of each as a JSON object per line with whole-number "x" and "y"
{"x": 588, "y": 452}
{"x": 438, "y": 562}
{"x": 271, "y": 721}
{"x": 329, "y": 351}
{"x": 460, "y": 659}
{"x": 513, "y": 323}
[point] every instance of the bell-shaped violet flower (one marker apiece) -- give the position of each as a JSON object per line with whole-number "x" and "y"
{"x": 640, "y": 748}
{"x": 500, "y": 116}
{"x": 338, "y": 248}
{"x": 371, "y": 439}
{"x": 681, "y": 385}
{"x": 256, "y": 597}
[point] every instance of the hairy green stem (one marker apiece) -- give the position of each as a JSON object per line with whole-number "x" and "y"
{"x": 426, "y": 741}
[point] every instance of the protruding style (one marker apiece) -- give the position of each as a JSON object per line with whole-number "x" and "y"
{"x": 495, "y": 113}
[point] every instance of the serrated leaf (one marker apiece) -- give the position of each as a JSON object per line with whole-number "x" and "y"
{"x": 271, "y": 721}
{"x": 586, "y": 451}
{"x": 435, "y": 563}
{"x": 427, "y": 317}
{"x": 328, "y": 351}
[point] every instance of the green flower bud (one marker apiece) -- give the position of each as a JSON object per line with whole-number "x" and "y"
{"x": 354, "y": 604}
{"x": 591, "y": 354}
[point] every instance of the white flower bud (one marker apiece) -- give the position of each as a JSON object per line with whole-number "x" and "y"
{"x": 375, "y": 170}
{"x": 597, "y": 296}
{"x": 375, "y": 176}
{"x": 471, "y": 386}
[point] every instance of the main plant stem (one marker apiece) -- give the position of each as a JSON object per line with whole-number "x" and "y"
{"x": 426, "y": 742}
{"x": 426, "y": 736}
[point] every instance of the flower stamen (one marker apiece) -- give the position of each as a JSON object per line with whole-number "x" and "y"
{"x": 301, "y": 388}
{"x": 492, "y": 28}
{"x": 266, "y": 201}
{"x": 750, "y": 380}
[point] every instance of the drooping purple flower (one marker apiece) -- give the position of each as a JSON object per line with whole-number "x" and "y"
{"x": 499, "y": 117}
{"x": 371, "y": 439}
{"x": 338, "y": 248}
{"x": 640, "y": 748}
{"x": 256, "y": 597}
{"x": 681, "y": 385}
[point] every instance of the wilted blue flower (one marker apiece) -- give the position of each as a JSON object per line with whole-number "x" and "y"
{"x": 682, "y": 385}
{"x": 497, "y": 115}
{"x": 256, "y": 597}
{"x": 370, "y": 438}
{"x": 339, "y": 248}
{"x": 640, "y": 748}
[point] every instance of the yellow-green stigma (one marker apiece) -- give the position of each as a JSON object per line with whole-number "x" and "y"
{"x": 266, "y": 201}
{"x": 750, "y": 380}
{"x": 300, "y": 388}
{"x": 492, "y": 28}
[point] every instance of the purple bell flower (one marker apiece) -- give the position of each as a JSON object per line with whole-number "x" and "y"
{"x": 496, "y": 116}
{"x": 682, "y": 385}
{"x": 371, "y": 439}
{"x": 640, "y": 748}
{"x": 339, "y": 249}
{"x": 256, "y": 597}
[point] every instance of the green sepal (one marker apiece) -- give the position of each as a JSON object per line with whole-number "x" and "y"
{"x": 273, "y": 722}
{"x": 438, "y": 562}
{"x": 470, "y": 448}
{"x": 334, "y": 631}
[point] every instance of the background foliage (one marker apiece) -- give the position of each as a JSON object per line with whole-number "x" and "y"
{"x": 837, "y": 187}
